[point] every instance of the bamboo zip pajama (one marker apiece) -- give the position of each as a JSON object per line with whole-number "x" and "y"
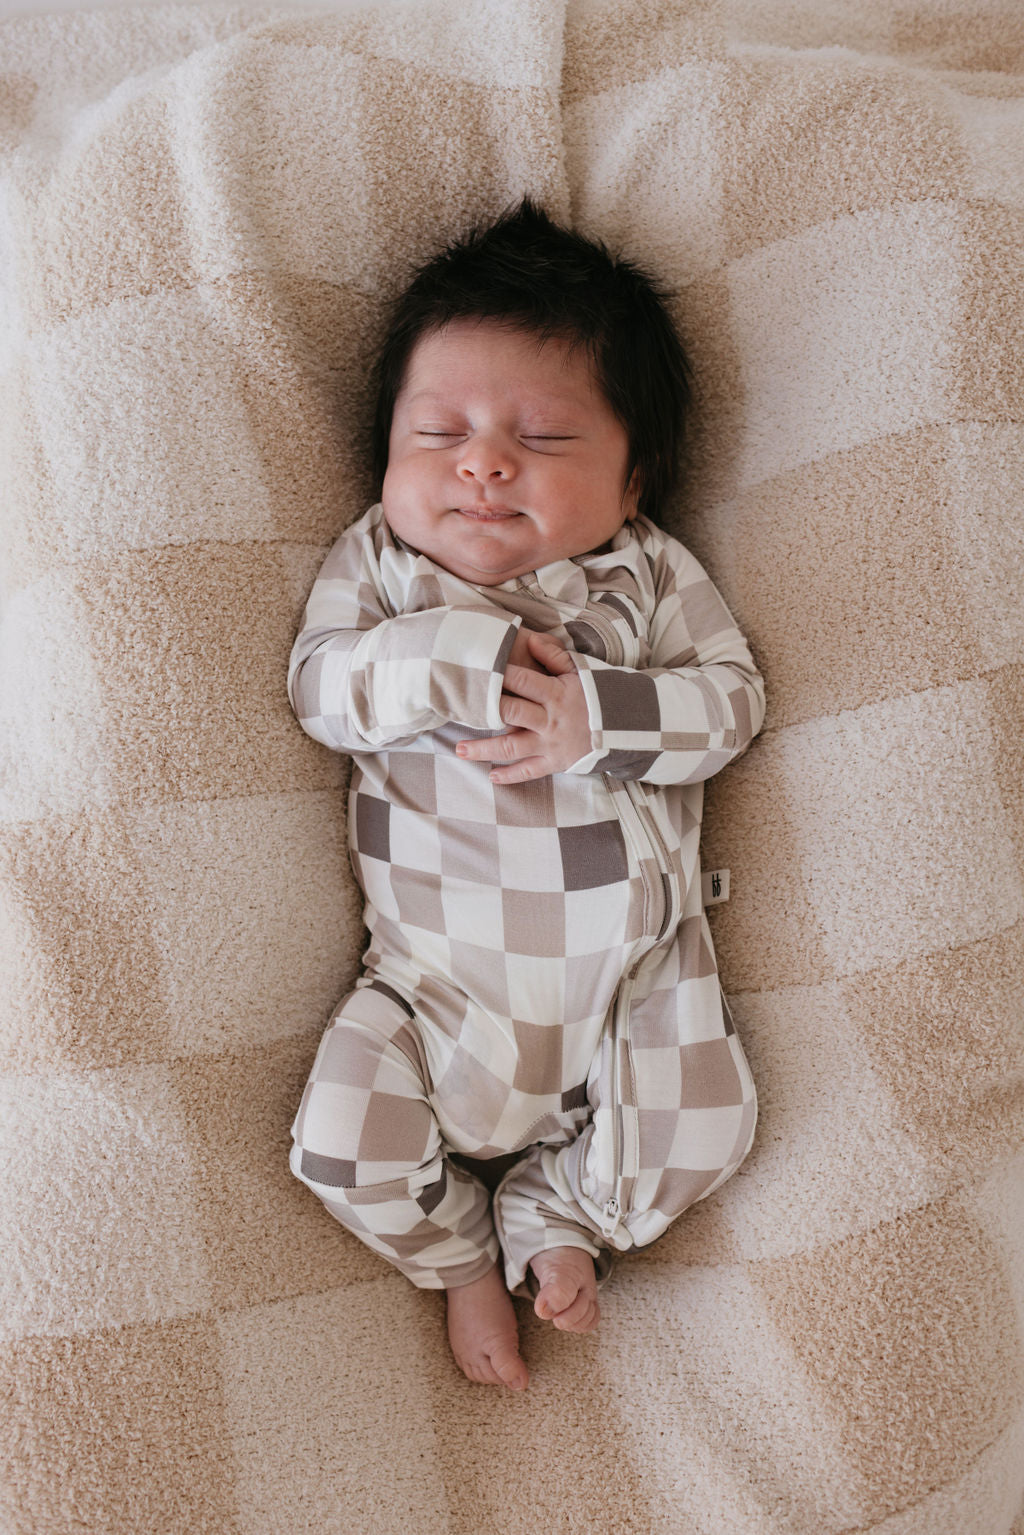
{"x": 540, "y": 977}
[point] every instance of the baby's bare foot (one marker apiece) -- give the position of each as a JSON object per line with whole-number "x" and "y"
{"x": 483, "y": 1333}
{"x": 568, "y": 1288}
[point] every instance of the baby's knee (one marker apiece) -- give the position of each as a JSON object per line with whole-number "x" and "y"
{"x": 364, "y": 1117}
{"x": 708, "y": 1145}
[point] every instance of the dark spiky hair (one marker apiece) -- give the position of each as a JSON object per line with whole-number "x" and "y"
{"x": 526, "y": 271}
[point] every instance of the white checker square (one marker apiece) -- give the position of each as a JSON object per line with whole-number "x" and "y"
{"x": 400, "y": 690}
{"x": 185, "y": 450}
{"x": 705, "y": 1139}
{"x": 415, "y": 840}
{"x": 595, "y": 920}
{"x": 473, "y": 914}
{"x": 646, "y": 166}
{"x": 463, "y": 789}
{"x": 536, "y": 988}
{"x": 531, "y": 858}
{"x": 98, "y": 1192}
{"x": 846, "y": 334}
{"x": 899, "y": 781}
{"x": 470, "y": 639}
{"x": 662, "y": 1077}
{"x": 333, "y": 1115}
{"x": 581, "y": 1041}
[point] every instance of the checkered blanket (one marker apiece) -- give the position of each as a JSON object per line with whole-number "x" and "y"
{"x": 204, "y": 214}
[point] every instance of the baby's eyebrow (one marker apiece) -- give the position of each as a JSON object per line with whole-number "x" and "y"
{"x": 548, "y": 409}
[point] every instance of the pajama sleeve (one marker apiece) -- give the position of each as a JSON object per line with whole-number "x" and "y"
{"x": 697, "y": 704}
{"x": 362, "y": 677}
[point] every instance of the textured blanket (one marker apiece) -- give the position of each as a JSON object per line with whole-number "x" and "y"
{"x": 203, "y": 212}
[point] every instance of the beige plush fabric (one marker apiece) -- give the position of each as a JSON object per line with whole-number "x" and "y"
{"x": 202, "y": 213}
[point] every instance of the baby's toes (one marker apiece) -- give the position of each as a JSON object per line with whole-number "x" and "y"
{"x": 509, "y": 1367}
{"x": 581, "y": 1316}
{"x": 554, "y": 1296}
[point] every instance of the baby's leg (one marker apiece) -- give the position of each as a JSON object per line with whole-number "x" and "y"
{"x": 367, "y": 1143}
{"x": 681, "y": 1124}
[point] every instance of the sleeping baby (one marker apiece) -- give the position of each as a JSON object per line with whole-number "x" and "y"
{"x": 533, "y": 681}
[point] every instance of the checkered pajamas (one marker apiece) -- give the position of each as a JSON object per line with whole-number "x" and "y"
{"x": 540, "y": 976}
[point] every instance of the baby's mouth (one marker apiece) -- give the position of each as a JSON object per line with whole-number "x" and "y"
{"x": 487, "y": 513}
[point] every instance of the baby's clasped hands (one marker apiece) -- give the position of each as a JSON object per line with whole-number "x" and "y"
{"x": 545, "y": 709}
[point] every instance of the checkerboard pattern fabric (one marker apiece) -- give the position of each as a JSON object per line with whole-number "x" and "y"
{"x": 205, "y": 211}
{"x": 545, "y": 941}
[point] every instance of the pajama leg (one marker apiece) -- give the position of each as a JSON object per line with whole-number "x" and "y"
{"x": 674, "y": 1113}
{"x": 367, "y": 1143}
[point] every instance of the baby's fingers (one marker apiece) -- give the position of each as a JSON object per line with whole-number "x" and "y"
{"x": 551, "y": 653}
{"x": 521, "y": 772}
{"x": 503, "y": 748}
{"x": 536, "y": 686}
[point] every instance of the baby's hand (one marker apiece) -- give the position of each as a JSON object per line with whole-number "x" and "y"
{"x": 546, "y": 708}
{"x": 520, "y": 654}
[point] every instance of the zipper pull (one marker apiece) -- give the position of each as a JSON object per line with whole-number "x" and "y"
{"x": 612, "y": 1215}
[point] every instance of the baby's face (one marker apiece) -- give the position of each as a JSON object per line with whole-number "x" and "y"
{"x": 504, "y": 454}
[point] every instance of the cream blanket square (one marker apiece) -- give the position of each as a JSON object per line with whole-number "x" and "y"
{"x": 204, "y": 211}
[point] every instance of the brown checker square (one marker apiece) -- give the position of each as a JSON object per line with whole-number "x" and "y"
{"x": 525, "y": 804}
{"x": 590, "y": 985}
{"x": 709, "y": 1075}
{"x": 396, "y": 1129}
{"x": 96, "y": 995}
{"x": 534, "y": 922}
{"x": 855, "y": 635}
{"x": 372, "y": 822}
{"x": 73, "y": 1401}
{"x": 489, "y": 979}
{"x": 933, "y": 1273}
{"x": 539, "y": 1061}
{"x": 628, "y": 765}
{"x": 783, "y": 175}
{"x": 425, "y": 592}
{"x": 331, "y": 1172}
{"x": 189, "y": 644}
{"x": 138, "y": 237}
{"x": 629, "y": 700}
{"x": 410, "y": 782}
{"x": 593, "y": 855}
{"x": 469, "y": 850}
{"x": 695, "y": 957}
{"x": 657, "y": 1134}
{"x": 419, "y": 898}
{"x": 586, "y": 639}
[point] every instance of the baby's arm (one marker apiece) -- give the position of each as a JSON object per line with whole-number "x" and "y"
{"x": 695, "y": 706}
{"x": 362, "y": 677}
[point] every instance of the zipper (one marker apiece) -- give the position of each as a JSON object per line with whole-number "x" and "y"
{"x": 646, "y": 837}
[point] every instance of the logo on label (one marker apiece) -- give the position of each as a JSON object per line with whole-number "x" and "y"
{"x": 715, "y": 887}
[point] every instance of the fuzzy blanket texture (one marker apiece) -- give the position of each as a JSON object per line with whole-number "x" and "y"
{"x": 203, "y": 212}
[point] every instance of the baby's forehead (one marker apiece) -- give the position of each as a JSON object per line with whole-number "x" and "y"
{"x": 546, "y": 367}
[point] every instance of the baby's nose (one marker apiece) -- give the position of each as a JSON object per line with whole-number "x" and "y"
{"x": 486, "y": 458}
